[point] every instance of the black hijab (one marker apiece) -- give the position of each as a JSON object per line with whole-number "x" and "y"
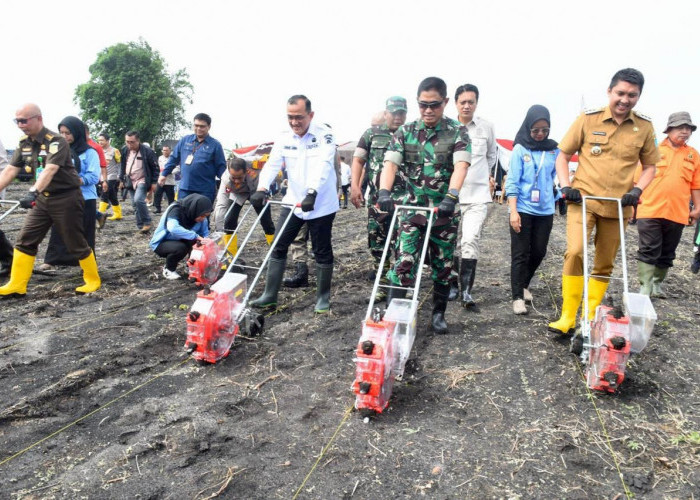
{"x": 523, "y": 137}
{"x": 189, "y": 208}
{"x": 77, "y": 130}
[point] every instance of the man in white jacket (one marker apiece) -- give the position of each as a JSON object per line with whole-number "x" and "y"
{"x": 307, "y": 152}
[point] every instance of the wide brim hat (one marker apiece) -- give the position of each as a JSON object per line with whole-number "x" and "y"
{"x": 678, "y": 119}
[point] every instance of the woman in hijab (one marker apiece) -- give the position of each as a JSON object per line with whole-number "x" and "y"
{"x": 531, "y": 196}
{"x": 87, "y": 163}
{"x": 183, "y": 223}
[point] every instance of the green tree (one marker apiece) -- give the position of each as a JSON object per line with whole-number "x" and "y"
{"x": 130, "y": 88}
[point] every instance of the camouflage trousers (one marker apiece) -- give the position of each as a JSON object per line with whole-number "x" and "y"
{"x": 441, "y": 247}
{"x": 377, "y": 228}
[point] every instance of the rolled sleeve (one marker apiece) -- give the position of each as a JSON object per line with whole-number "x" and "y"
{"x": 394, "y": 157}
{"x": 460, "y": 156}
{"x": 360, "y": 153}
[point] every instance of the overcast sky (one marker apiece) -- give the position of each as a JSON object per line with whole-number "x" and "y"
{"x": 246, "y": 58}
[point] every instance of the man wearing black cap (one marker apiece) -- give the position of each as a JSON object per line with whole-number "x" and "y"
{"x": 370, "y": 152}
{"x": 664, "y": 213}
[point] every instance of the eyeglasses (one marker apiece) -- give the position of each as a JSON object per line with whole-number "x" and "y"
{"x": 543, "y": 130}
{"x": 430, "y": 105}
{"x": 23, "y": 121}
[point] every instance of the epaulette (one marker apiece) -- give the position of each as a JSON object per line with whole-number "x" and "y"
{"x": 49, "y": 136}
{"x": 593, "y": 111}
{"x": 642, "y": 115}
{"x": 24, "y": 137}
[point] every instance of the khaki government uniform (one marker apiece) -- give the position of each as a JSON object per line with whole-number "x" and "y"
{"x": 60, "y": 204}
{"x": 608, "y": 156}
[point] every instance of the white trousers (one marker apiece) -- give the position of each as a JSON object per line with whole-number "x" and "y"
{"x": 473, "y": 218}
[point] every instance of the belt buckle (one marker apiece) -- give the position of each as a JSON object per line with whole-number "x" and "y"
{"x": 46, "y": 194}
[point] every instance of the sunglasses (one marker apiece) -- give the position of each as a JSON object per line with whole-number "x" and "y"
{"x": 430, "y": 105}
{"x": 544, "y": 130}
{"x": 23, "y": 121}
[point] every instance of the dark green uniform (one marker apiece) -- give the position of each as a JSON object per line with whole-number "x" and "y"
{"x": 372, "y": 147}
{"x": 426, "y": 159}
{"x": 60, "y": 203}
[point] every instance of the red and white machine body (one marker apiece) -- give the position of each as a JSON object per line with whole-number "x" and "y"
{"x": 204, "y": 264}
{"x": 213, "y": 320}
{"x": 610, "y": 349}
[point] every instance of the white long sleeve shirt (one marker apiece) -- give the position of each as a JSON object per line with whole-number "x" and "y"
{"x": 309, "y": 164}
{"x": 476, "y": 185}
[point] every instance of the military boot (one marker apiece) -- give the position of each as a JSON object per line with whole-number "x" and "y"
{"x": 300, "y": 278}
{"x": 438, "y": 323}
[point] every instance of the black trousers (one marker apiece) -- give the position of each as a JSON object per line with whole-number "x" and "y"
{"x": 320, "y": 231}
{"x": 174, "y": 251}
{"x": 57, "y": 253}
{"x": 111, "y": 195}
{"x": 169, "y": 191}
{"x": 6, "y": 251}
{"x": 527, "y": 249}
{"x": 658, "y": 240}
{"x": 65, "y": 211}
{"x": 231, "y": 221}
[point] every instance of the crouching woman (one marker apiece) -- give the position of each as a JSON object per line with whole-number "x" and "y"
{"x": 182, "y": 224}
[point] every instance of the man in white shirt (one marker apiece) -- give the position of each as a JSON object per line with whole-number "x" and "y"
{"x": 475, "y": 194}
{"x": 307, "y": 152}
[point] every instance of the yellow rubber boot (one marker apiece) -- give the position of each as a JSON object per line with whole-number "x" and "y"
{"x": 117, "y": 212}
{"x": 22, "y": 267}
{"x": 269, "y": 238}
{"x": 90, "y": 275}
{"x": 571, "y": 293}
{"x": 596, "y": 292}
{"x": 233, "y": 245}
{"x": 103, "y": 207}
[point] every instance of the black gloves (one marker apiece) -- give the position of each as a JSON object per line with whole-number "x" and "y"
{"x": 571, "y": 194}
{"x": 258, "y": 199}
{"x": 29, "y": 200}
{"x": 307, "y": 204}
{"x": 447, "y": 206}
{"x": 632, "y": 198}
{"x": 384, "y": 201}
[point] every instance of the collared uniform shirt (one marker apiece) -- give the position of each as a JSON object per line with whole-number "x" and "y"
{"x": 668, "y": 195}
{"x": 476, "y": 188}
{"x": 608, "y": 155}
{"x": 309, "y": 162}
{"x": 426, "y": 158}
{"x": 49, "y": 148}
{"x": 208, "y": 163}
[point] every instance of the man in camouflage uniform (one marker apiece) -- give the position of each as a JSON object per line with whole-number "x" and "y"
{"x": 432, "y": 154}
{"x": 369, "y": 155}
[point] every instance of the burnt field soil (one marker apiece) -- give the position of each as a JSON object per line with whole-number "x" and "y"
{"x": 99, "y": 399}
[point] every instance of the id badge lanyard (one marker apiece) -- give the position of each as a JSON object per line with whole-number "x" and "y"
{"x": 535, "y": 193}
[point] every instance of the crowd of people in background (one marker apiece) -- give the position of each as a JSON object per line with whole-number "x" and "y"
{"x": 440, "y": 168}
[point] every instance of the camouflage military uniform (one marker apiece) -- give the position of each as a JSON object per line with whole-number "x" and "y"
{"x": 426, "y": 158}
{"x": 371, "y": 147}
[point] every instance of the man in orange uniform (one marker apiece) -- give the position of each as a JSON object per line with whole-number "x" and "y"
{"x": 664, "y": 211}
{"x": 610, "y": 141}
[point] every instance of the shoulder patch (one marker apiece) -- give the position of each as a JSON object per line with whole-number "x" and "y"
{"x": 53, "y": 148}
{"x": 642, "y": 115}
{"x": 328, "y": 138}
{"x": 593, "y": 111}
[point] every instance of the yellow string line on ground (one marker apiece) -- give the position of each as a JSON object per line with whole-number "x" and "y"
{"x": 104, "y": 406}
{"x": 340, "y": 425}
{"x": 325, "y": 449}
{"x": 608, "y": 441}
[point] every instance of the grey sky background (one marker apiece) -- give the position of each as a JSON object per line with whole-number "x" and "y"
{"x": 246, "y": 58}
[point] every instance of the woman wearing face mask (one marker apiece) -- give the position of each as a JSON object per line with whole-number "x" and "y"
{"x": 87, "y": 164}
{"x": 183, "y": 223}
{"x": 531, "y": 196}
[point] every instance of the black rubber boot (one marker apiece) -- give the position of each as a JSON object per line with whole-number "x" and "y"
{"x": 454, "y": 284}
{"x": 466, "y": 276}
{"x": 324, "y": 273}
{"x": 275, "y": 271}
{"x": 394, "y": 293}
{"x": 300, "y": 277}
{"x": 440, "y": 293}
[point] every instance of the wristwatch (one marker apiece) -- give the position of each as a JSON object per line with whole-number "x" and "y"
{"x": 311, "y": 192}
{"x": 453, "y": 192}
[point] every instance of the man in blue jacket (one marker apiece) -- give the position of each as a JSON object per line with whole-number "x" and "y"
{"x": 201, "y": 159}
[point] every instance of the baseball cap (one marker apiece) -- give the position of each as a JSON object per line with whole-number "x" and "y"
{"x": 396, "y": 103}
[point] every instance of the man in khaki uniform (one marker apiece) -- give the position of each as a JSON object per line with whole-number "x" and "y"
{"x": 611, "y": 142}
{"x": 54, "y": 199}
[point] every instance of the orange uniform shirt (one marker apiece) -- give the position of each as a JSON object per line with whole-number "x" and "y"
{"x": 668, "y": 195}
